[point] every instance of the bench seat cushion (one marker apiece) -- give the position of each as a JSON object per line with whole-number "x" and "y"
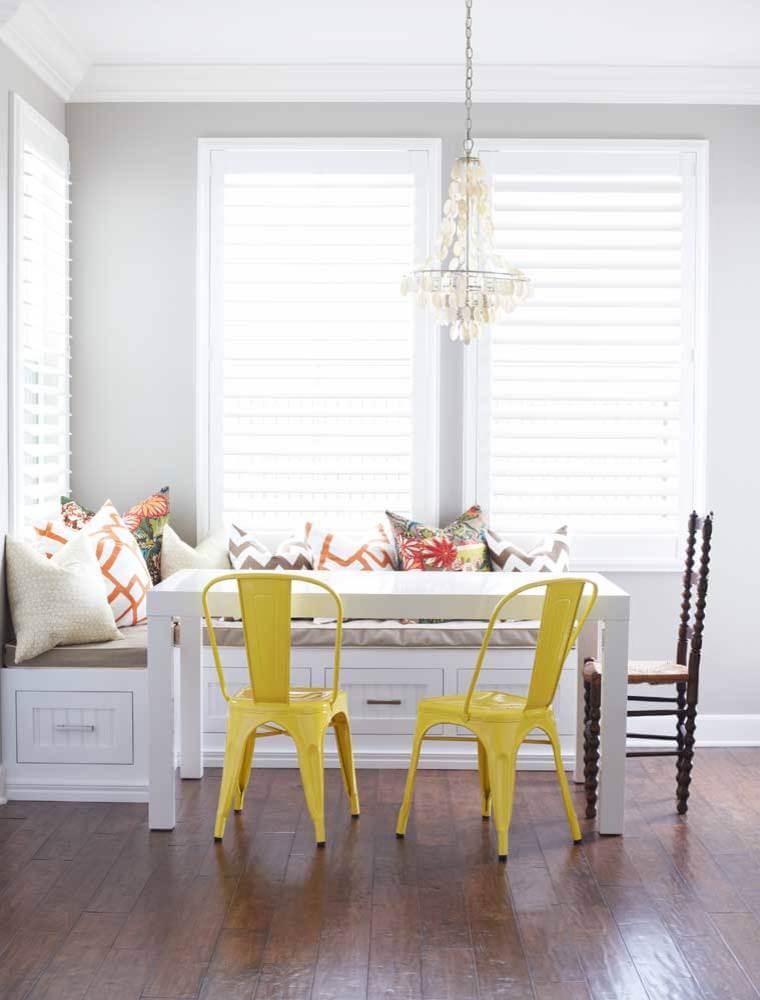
{"x": 374, "y": 633}
{"x": 130, "y": 650}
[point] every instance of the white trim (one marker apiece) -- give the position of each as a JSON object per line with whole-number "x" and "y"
{"x": 77, "y": 791}
{"x": 44, "y": 46}
{"x": 207, "y": 369}
{"x": 476, "y": 402}
{"x": 421, "y": 82}
{"x": 7, "y": 9}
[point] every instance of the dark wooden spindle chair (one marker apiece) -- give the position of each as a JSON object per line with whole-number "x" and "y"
{"x": 684, "y": 673}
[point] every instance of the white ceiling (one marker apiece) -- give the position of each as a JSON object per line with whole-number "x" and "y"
{"x": 590, "y": 51}
{"x": 574, "y": 32}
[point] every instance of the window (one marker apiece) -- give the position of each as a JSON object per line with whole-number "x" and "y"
{"x": 321, "y": 378}
{"x": 583, "y": 404}
{"x": 39, "y": 350}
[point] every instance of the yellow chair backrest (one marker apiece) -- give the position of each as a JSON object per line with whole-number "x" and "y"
{"x": 265, "y": 609}
{"x": 559, "y": 629}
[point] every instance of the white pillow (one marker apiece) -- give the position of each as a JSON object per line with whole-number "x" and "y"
{"x": 177, "y": 555}
{"x": 56, "y": 601}
{"x": 249, "y": 552}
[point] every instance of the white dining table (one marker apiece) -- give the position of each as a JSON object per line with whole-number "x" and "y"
{"x": 391, "y": 595}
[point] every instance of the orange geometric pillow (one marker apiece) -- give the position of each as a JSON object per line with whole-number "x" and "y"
{"x": 52, "y": 535}
{"x": 335, "y": 551}
{"x": 125, "y": 573}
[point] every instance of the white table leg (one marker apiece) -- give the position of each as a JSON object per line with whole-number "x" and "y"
{"x": 191, "y": 698}
{"x": 161, "y": 811}
{"x": 613, "y": 725}
{"x": 587, "y": 646}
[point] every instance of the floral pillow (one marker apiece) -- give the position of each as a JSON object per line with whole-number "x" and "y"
{"x": 440, "y": 553}
{"x": 146, "y": 521}
{"x": 460, "y": 545}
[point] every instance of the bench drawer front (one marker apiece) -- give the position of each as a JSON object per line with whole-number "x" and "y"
{"x": 517, "y": 681}
{"x": 385, "y": 700}
{"x": 74, "y": 727}
{"x": 214, "y": 705}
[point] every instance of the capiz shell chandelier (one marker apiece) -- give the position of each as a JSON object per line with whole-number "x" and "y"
{"x": 465, "y": 283}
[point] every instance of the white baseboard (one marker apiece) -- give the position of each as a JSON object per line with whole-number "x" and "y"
{"x": 68, "y": 791}
{"x": 438, "y": 760}
{"x": 712, "y": 730}
{"x": 3, "y": 794}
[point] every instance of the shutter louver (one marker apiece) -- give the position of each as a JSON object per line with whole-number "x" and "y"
{"x": 589, "y": 381}
{"x": 41, "y": 345}
{"x": 318, "y": 345}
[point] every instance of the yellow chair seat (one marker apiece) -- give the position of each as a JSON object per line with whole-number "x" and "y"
{"x": 497, "y": 706}
{"x": 316, "y": 699}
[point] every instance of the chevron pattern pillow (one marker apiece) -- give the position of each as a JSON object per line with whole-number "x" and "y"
{"x": 248, "y": 552}
{"x": 551, "y": 555}
{"x": 334, "y": 550}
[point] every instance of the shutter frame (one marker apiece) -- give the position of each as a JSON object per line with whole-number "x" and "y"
{"x": 39, "y": 347}
{"x": 409, "y": 384}
{"x": 638, "y": 547}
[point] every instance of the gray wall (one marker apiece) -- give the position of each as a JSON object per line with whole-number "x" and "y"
{"x": 14, "y": 76}
{"x": 134, "y": 218}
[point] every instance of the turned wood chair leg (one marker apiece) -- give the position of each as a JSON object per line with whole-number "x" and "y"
{"x": 593, "y": 704}
{"x": 686, "y": 756}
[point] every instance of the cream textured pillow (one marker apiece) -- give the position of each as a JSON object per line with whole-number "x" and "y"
{"x": 177, "y": 555}
{"x": 56, "y": 601}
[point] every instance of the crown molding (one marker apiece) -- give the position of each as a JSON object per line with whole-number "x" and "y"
{"x": 439, "y": 83}
{"x": 39, "y": 41}
{"x": 7, "y": 9}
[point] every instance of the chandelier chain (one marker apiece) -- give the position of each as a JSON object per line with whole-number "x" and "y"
{"x": 468, "y": 142}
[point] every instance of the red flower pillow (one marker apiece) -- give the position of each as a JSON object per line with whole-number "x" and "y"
{"x": 441, "y": 553}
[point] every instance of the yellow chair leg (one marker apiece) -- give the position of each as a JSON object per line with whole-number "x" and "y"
{"x": 345, "y": 754}
{"x": 245, "y": 773}
{"x": 572, "y": 819}
{"x": 406, "y": 805}
{"x": 485, "y": 782}
{"x": 501, "y": 767}
{"x": 311, "y": 763}
{"x": 233, "y": 752}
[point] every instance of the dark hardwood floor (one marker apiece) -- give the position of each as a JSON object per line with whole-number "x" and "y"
{"x": 93, "y": 905}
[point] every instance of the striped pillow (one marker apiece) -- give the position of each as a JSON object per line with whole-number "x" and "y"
{"x": 331, "y": 550}
{"x": 247, "y": 552}
{"x": 551, "y": 555}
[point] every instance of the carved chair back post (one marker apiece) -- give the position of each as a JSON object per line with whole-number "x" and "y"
{"x": 684, "y": 673}
{"x": 688, "y": 693}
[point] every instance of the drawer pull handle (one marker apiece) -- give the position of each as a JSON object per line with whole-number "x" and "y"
{"x": 82, "y": 727}
{"x": 383, "y": 701}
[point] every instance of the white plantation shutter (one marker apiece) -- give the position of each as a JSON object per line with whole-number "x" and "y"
{"x": 587, "y": 392}
{"x": 40, "y": 303}
{"x": 315, "y": 354}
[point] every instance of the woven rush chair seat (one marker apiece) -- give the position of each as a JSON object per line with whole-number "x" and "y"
{"x": 642, "y": 672}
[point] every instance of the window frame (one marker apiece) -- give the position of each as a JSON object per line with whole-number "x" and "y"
{"x": 25, "y": 119}
{"x": 476, "y": 402}
{"x": 208, "y": 368}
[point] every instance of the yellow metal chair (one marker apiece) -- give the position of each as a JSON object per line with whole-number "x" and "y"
{"x": 270, "y": 707}
{"x": 501, "y": 722}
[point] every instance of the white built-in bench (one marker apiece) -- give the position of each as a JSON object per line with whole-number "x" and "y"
{"x": 74, "y": 720}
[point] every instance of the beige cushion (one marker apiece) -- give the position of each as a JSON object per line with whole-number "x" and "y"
{"x": 177, "y": 555}
{"x": 57, "y": 601}
{"x": 130, "y": 652}
{"x": 456, "y": 634}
